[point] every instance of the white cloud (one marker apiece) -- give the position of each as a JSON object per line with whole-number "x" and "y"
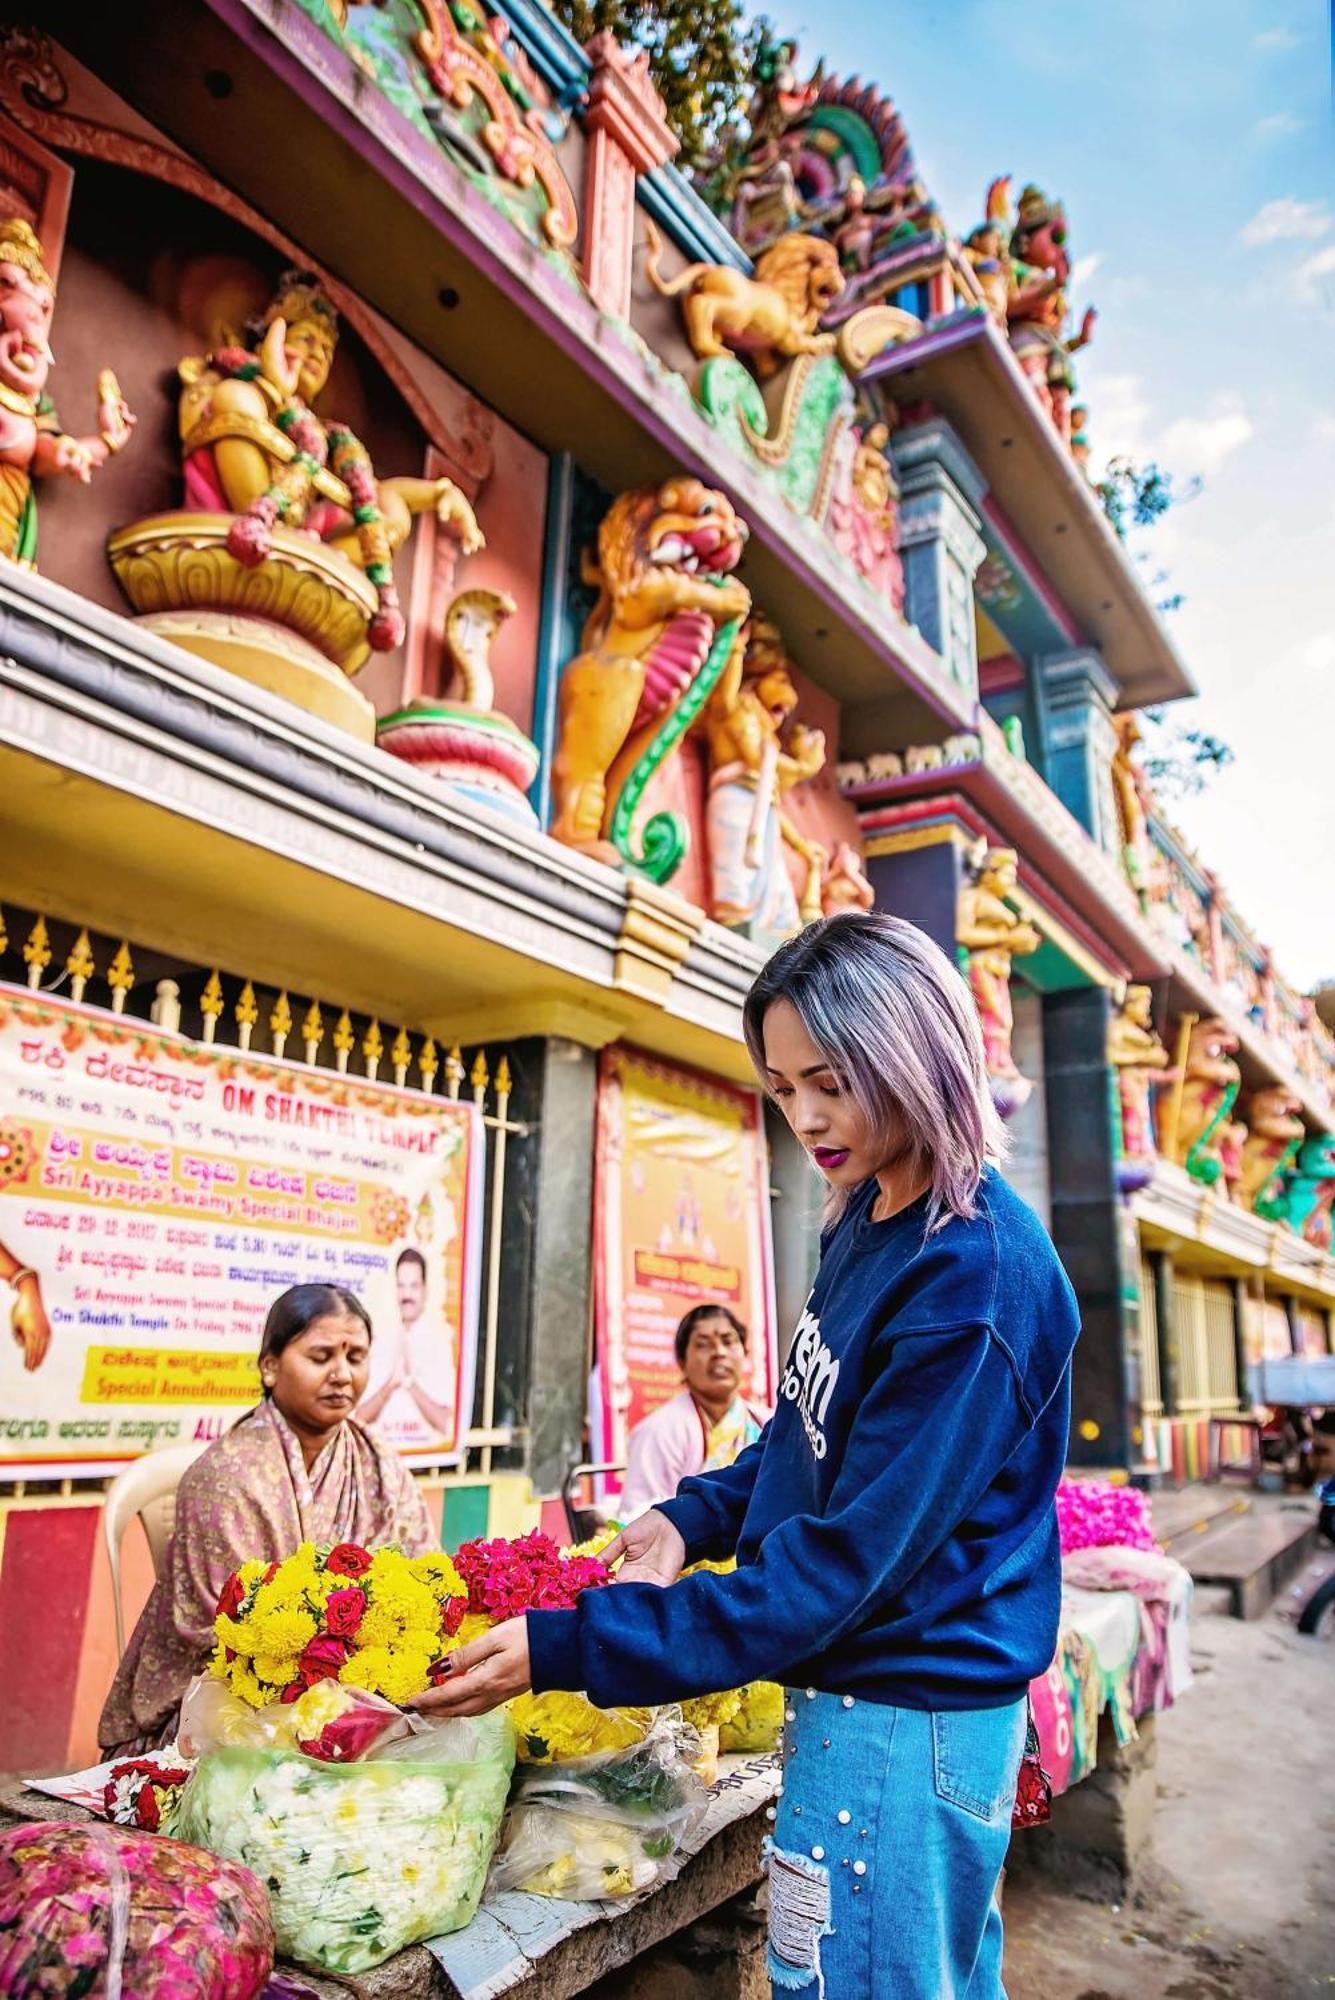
{"x": 1314, "y": 280}
{"x": 1280, "y": 125}
{"x": 1324, "y": 428}
{"x": 1287, "y": 221}
{"x": 1276, "y": 41}
{"x": 1199, "y": 445}
{"x": 1084, "y": 268}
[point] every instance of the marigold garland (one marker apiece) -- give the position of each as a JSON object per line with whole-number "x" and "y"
{"x": 381, "y": 1622}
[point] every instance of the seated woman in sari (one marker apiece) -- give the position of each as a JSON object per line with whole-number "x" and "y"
{"x": 296, "y": 1468}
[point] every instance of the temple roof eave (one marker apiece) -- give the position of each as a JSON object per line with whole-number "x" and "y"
{"x": 521, "y": 334}
{"x": 964, "y": 368}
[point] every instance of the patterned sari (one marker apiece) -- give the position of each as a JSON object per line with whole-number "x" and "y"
{"x": 250, "y": 1495}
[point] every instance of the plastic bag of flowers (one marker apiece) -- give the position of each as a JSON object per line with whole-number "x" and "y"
{"x": 104, "y": 1910}
{"x": 604, "y": 1825}
{"x": 370, "y": 1829}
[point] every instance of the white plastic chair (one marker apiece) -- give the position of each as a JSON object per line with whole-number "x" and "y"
{"x": 146, "y": 1488}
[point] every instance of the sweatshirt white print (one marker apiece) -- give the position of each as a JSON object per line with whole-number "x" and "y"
{"x": 809, "y": 1379}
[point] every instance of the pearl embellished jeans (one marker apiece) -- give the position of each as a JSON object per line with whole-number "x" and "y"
{"x": 889, "y": 1837}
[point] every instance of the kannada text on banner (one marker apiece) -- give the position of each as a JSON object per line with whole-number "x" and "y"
{"x": 682, "y": 1217}
{"x": 162, "y": 1194}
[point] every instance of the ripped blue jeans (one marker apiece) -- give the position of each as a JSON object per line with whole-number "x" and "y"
{"x": 889, "y": 1837}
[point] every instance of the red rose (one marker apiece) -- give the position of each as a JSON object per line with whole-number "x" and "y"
{"x": 322, "y": 1659}
{"x": 348, "y": 1560}
{"x": 343, "y": 1612}
{"x": 233, "y": 1596}
{"x": 146, "y": 1808}
{"x": 294, "y": 1690}
{"x": 452, "y": 1615}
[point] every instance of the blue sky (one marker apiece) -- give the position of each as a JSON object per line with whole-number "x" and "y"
{"x": 1192, "y": 143}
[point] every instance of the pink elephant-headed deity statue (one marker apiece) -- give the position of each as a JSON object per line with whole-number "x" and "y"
{"x": 32, "y": 442}
{"x": 280, "y": 566}
{"x": 991, "y": 934}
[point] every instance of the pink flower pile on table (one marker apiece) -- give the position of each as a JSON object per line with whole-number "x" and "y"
{"x": 1092, "y": 1514}
{"x": 94, "y": 1909}
{"x": 505, "y": 1579}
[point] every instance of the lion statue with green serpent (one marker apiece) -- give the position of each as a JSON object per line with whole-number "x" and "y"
{"x": 668, "y": 614}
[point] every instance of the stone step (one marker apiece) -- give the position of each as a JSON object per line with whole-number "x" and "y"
{"x": 1182, "y": 1514}
{"x": 1252, "y": 1555}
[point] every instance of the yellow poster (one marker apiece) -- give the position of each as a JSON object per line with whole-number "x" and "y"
{"x": 681, "y": 1217}
{"x": 156, "y": 1196}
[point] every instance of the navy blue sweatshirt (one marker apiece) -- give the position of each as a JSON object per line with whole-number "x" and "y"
{"x": 894, "y": 1525}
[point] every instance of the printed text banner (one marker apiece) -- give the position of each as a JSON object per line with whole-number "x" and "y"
{"x": 682, "y": 1218}
{"x": 162, "y": 1194}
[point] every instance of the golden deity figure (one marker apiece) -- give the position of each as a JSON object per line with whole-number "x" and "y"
{"x": 757, "y": 754}
{"x": 1142, "y": 1066}
{"x": 33, "y": 444}
{"x": 281, "y": 564}
{"x": 992, "y": 934}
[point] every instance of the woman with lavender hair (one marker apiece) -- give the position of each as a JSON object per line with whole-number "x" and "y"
{"x": 896, "y": 1539}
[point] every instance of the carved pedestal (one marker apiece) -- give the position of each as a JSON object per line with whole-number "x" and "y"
{"x": 295, "y": 624}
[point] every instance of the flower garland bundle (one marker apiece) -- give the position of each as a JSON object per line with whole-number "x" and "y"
{"x": 144, "y": 1792}
{"x": 505, "y": 1579}
{"x": 1093, "y": 1514}
{"x": 378, "y": 1622}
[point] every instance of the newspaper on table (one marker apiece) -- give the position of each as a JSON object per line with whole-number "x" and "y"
{"x": 513, "y": 1932}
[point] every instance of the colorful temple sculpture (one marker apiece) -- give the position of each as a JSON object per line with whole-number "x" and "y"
{"x": 515, "y": 615}
{"x": 33, "y": 444}
{"x": 280, "y": 564}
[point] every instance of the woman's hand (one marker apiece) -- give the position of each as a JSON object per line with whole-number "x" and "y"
{"x": 492, "y": 1670}
{"x": 653, "y": 1550}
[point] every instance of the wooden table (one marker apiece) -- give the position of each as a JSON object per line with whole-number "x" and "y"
{"x": 728, "y": 1867}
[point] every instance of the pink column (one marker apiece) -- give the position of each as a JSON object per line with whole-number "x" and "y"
{"x": 628, "y": 135}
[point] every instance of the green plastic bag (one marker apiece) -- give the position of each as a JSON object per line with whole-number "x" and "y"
{"x": 360, "y": 1859}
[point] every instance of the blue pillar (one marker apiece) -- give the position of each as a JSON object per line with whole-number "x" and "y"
{"x": 1076, "y": 694}
{"x": 940, "y": 543}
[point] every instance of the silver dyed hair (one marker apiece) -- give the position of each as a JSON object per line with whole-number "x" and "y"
{"x": 896, "y": 1022}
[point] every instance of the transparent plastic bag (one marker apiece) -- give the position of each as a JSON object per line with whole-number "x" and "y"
{"x": 361, "y": 1855}
{"x": 122, "y": 1915}
{"x": 604, "y": 1826}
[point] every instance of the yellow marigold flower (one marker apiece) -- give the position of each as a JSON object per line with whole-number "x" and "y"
{"x": 711, "y": 1711}
{"x": 366, "y": 1667}
{"x": 379, "y": 1627}
{"x": 406, "y": 1673}
{"x": 439, "y": 1575}
{"x": 595, "y": 1545}
{"x": 282, "y": 1632}
{"x": 758, "y": 1723}
{"x": 712, "y": 1568}
{"x": 246, "y": 1687}
{"x": 555, "y": 1728}
{"x": 277, "y": 1669}
{"x": 238, "y": 1636}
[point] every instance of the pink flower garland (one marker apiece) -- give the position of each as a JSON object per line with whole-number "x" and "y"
{"x": 506, "y": 1579}
{"x": 1092, "y": 1514}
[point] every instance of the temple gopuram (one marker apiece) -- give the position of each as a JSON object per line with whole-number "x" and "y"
{"x": 469, "y": 590}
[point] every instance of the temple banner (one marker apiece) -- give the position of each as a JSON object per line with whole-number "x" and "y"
{"x": 157, "y": 1195}
{"x": 681, "y": 1216}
